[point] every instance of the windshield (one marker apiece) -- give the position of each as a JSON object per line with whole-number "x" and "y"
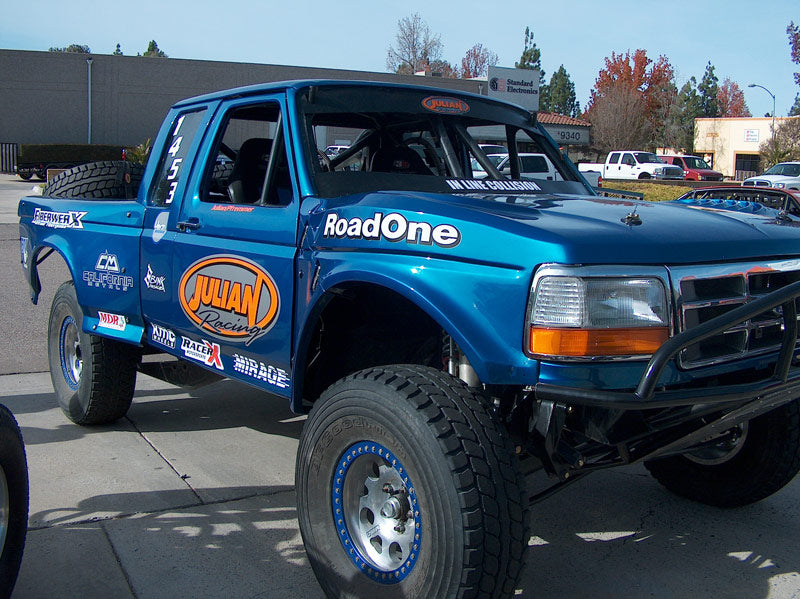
{"x": 419, "y": 140}
{"x": 787, "y": 168}
{"x": 695, "y": 162}
{"x": 645, "y": 157}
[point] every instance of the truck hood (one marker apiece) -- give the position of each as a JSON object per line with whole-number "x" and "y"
{"x": 517, "y": 229}
{"x": 705, "y": 172}
{"x": 774, "y": 179}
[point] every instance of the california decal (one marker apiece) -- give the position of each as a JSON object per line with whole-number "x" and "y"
{"x": 230, "y": 298}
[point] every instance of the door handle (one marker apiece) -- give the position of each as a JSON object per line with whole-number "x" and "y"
{"x": 189, "y": 225}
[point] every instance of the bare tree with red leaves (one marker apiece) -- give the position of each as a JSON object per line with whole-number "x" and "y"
{"x": 730, "y": 100}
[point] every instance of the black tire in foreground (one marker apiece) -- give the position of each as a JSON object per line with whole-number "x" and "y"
{"x": 109, "y": 179}
{"x": 25, "y": 176}
{"x": 746, "y": 465}
{"x": 13, "y": 501}
{"x": 407, "y": 486}
{"x": 93, "y": 377}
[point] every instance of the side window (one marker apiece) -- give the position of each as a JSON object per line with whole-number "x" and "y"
{"x": 614, "y": 158}
{"x": 628, "y": 159}
{"x": 249, "y": 163}
{"x": 172, "y": 165}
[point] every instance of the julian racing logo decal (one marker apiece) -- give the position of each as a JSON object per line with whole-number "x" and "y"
{"x": 230, "y": 298}
{"x": 391, "y": 227}
{"x": 445, "y": 105}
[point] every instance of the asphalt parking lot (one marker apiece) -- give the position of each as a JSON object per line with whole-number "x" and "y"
{"x": 192, "y": 494}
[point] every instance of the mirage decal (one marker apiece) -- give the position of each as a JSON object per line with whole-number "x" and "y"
{"x": 260, "y": 371}
{"x": 203, "y": 351}
{"x": 490, "y": 185}
{"x": 59, "y": 220}
{"x": 445, "y": 105}
{"x": 230, "y": 298}
{"x": 391, "y": 227}
{"x": 108, "y": 320}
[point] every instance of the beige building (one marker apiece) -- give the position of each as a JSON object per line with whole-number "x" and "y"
{"x": 731, "y": 145}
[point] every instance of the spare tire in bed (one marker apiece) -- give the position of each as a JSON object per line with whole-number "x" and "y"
{"x": 109, "y": 179}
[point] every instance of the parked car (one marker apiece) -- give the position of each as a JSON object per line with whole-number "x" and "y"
{"x": 694, "y": 168}
{"x": 626, "y": 164}
{"x": 532, "y": 166}
{"x": 784, "y": 175}
{"x": 734, "y": 197}
{"x": 493, "y": 148}
{"x": 332, "y": 151}
{"x": 13, "y": 500}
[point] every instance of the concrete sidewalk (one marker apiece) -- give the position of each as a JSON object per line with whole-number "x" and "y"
{"x": 191, "y": 495}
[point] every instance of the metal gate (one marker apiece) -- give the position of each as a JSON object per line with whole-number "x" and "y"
{"x": 8, "y": 157}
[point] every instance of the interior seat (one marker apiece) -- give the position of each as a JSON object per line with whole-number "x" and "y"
{"x": 249, "y": 169}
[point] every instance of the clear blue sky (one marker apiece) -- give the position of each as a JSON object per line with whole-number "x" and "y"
{"x": 745, "y": 41}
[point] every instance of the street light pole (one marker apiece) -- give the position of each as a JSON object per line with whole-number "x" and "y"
{"x": 89, "y": 96}
{"x": 773, "y": 108}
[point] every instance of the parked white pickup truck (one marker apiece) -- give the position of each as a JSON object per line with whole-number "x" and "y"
{"x": 630, "y": 164}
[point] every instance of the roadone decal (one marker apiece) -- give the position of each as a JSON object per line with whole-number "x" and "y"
{"x": 230, "y": 298}
{"x": 391, "y": 227}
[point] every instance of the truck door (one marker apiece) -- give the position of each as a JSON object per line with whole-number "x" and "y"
{"x": 628, "y": 167}
{"x": 177, "y": 142}
{"x": 235, "y": 247}
{"x": 611, "y": 170}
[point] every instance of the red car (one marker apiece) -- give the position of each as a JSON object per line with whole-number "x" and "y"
{"x": 694, "y": 168}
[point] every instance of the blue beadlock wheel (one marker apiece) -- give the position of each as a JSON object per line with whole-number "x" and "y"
{"x": 376, "y": 511}
{"x": 70, "y": 352}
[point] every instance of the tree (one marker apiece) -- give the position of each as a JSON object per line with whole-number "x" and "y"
{"x": 442, "y": 68}
{"x": 476, "y": 62}
{"x": 687, "y": 108}
{"x": 795, "y": 109}
{"x": 416, "y": 49}
{"x": 639, "y": 77}
{"x": 154, "y": 51}
{"x": 730, "y": 100}
{"x": 709, "y": 89}
{"x": 117, "y": 52}
{"x": 562, "y": 94}
{"x": 619, "y": 120}
{"x": 784, "y": 146}
{"x": 531, "y": 59}
{"x": 793, "y": 31}
{"x": 75, "y": 48}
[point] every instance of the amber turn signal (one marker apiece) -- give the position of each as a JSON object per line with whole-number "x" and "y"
{"x": 589, "y": 343}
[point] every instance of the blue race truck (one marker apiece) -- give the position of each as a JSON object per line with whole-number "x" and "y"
{"x": 449, "y": 337}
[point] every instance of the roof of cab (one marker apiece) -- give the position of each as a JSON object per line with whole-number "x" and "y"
{"x": 282, "y": 86}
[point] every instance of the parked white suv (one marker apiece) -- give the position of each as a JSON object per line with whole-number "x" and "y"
{"x": 784, "y": 175}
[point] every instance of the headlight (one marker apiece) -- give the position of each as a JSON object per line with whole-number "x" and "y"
{"x": 658, "y": 170}
{"x": 779, "y": 185}
{"x": 597, "y": 317}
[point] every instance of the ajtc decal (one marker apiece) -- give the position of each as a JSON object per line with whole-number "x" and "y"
{"x": 391, "y": 227}
{"x": 156, "y": 283}
{"x": 59, "y": 220}
{"x": 162, "y": 336}
{"x": 203, "y": 351}
{"x": 260, "y": 371}
{"x": 230, "y": 298}
{"x": 111, "y": 321}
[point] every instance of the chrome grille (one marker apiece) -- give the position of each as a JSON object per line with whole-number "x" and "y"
{"x": 705, "y": 292}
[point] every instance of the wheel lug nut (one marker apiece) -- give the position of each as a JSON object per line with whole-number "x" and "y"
{"x": 401, "y": 528}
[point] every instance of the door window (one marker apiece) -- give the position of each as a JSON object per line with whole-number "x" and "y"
{"x": 172, "y": 165}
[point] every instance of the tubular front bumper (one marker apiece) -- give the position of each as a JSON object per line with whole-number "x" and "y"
{"x": 760, "y": 396}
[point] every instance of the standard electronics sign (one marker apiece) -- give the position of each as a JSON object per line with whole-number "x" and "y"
{"x": 520, "y": 86}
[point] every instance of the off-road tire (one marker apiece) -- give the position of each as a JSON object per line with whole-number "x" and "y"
{"x": 768, "y": 459}
{"x": 108, "y": 179}
{"x": 93, "y": 377}
{"x": 468, "y": 502}
{"x": 13, "y": 501}
{"x": 25, "y": 176}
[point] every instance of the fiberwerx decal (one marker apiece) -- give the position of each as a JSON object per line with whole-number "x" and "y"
{"x": 59, "y": 220}
{"x": 230, "y": 298}
{"x": 391, "y": 227}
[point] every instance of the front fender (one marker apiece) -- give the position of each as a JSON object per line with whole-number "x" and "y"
{"x": 481, "y": 306}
